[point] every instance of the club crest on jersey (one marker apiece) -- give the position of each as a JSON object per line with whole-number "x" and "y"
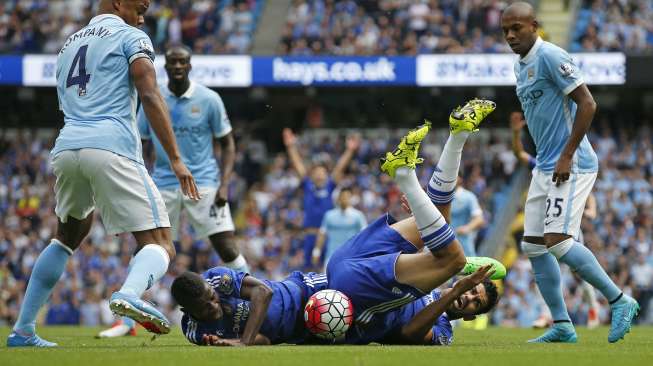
{"x": 566, "y": 69}
{"x": 530, "y": 73}
{"x": 195, "y": 111}
{"x": 225, "y": 284}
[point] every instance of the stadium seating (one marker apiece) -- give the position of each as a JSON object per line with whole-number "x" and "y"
{"x": 390, "y": 27}
{"x": 207, "y": 27}
{"x": 605, "y": 25}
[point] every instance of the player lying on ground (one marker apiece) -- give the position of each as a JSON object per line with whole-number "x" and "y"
{"x": 428, "y": 320}
{"x": 390, "y": 264}
{"x": 223, "y": 307}
{"x": 228, "y": 308}
{"x": 559, "y": 109}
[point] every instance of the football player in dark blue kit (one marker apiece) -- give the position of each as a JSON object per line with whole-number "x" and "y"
{"x": 390, "y": 264}
{"x": 223, "y": 307}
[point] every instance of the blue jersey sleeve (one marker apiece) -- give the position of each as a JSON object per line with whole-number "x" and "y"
{"x": 225, "y": 281}
{"x": 474, "y": 206}
{"x": 136, "y": 44}
{"x": 143, "y": 125}
{"x": 442, "y": 332}
{"x": 562, "y": 70}
{"x": 220, "y": 124}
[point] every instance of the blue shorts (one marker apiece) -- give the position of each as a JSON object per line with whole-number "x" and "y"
{"x": 364, "y": 269}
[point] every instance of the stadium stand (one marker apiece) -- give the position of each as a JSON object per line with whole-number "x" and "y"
{"x": 208, "y": 27}
{"x": 608, "y": 25}
{"x": 392, "y": 27}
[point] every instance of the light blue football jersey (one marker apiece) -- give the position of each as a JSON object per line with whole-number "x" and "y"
{"x": 95, "y": 90}
{"x": 197, "y": 117}
{"x": 545, "y": 77}
{"x": 464, "y": 207}
{"x": 340, "y": 225}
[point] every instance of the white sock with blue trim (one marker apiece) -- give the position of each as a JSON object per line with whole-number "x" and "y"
{"x": 432, "y": 226}
{"x": 147, "y": 267}
{"x": 442, "y": 185}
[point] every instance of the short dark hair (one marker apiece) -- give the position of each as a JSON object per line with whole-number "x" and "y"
{"x": 187, "y": 288}
{"x": 178, "y": 47}
{"x": 492, "y": 296}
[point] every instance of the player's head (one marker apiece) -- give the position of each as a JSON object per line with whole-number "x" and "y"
{"x": 178, "y": 63}
{"x": 344, "y": 198}
{"x": 478, "y": 300}
{"x": 131, "y": 11}
{"x": 319, "y": 175}
{"x": 196, "y": 297}
{"x": 519, "y": 27}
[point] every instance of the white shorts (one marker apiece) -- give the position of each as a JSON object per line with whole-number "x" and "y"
{"x": 121, "y": 189}
{"x": 551, "y": 209}
{"x": 206, "y": 217}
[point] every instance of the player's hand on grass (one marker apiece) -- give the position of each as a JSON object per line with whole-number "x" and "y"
{"x": 289, "y": 138}
{"x": 562, "y": 169}
{"x": 517, "y": 121}
{"x": 469, "y": 282}
{"x": 214, "y": 340}
{"x": 186, "y": 180}
{"x": 222, "y": 196}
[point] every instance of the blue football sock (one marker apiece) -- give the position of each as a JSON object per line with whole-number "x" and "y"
{"x": 147, "y": 267}
{"x": 46, "y": 272}
{"x": 583, "y": 262}
{"x": 547, "y": 277}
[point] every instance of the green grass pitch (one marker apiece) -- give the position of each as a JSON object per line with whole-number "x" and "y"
{"x": 495, "y": 346}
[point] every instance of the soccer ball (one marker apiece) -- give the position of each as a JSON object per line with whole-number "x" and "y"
{"x": 328, "y": 314}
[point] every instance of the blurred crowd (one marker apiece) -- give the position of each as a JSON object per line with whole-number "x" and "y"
{"x": 614, "y": 25}
{"x": 392, "y": 27}
{"x": 207, "y": 26}
{"x": 267, "y": 207}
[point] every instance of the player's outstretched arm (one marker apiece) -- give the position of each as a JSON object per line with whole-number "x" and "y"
{"x": 259, "y": 296}
{"x": 416, "y": 331}
{"x": 352, "y": 144}
{"x": 290, "y": 140}
{"x": 144, "y": 78}
{"x": 584, "y": 115}
{"x": 228, "y": 158}
{"x": 517, "y": 122}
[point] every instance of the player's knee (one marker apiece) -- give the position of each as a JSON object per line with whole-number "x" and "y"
{"x": 225, "y": 245}
{"x": 456, "y": 257}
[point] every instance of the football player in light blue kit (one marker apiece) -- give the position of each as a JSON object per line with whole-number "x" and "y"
{"x": 559, "y": 109}
{"x": 338, "y": 225}
{"x": 198, "y": 119}
{"x": 466, "y": 217}
{"x": 97, "y": 160}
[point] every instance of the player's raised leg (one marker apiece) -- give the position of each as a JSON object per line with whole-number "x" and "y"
{"x": 424, "y": 270}
{"x": 462, "y": 122}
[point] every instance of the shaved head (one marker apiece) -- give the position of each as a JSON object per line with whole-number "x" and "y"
{"x": 519, "y": 27}
{"x": 520, "y": 9}
{"x": 131, "y": 11}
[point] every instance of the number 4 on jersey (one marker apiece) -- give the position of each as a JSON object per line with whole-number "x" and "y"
{"x": 82, "y": 77}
